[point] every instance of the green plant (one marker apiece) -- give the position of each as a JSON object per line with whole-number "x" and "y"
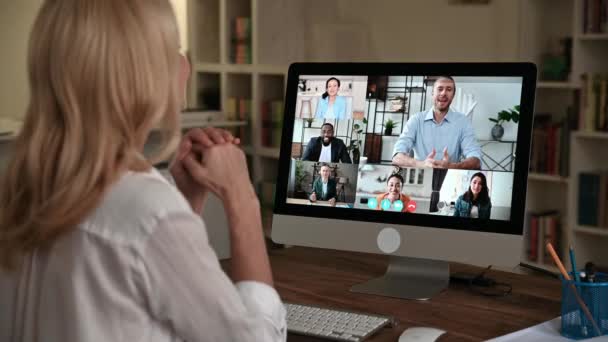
{"x": 300, "y": 175}
{"x": 390, "y": 124}
{"x": 506, "y": 116}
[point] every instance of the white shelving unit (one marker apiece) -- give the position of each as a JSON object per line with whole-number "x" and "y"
{"x": 209, "y": 37}
{"x": 587, "y": 155}
{"x": 589, "y": 53}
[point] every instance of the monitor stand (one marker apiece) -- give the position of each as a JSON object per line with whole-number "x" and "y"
{"x": 409, "y": 278}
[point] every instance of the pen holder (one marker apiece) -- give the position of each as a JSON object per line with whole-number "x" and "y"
{"x": 575, "y": 322}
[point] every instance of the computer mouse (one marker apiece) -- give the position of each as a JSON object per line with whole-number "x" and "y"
{"x": 421, "y": 334}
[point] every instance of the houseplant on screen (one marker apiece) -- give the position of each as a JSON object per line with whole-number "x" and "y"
{"x": 300, "y": 176}
{"x": 388, "y": 127}
{"x": 355, "y": 142}
{"x": 502, "y": 117}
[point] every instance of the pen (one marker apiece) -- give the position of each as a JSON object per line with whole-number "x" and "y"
{"x": 577, "y": 277}
{"x": 561, "y": 268}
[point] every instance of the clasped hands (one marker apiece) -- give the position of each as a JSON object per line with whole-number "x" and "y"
{"x": 206, "y": 160}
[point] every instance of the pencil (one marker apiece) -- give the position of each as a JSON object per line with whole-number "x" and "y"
{"x": 562, "y": 269}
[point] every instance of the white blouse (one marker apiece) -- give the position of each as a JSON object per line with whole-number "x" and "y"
{"x": 139, "y": 268}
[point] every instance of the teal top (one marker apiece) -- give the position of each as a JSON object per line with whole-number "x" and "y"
{"x": 463, "y": 208}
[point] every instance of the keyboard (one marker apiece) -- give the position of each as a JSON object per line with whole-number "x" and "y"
{"x": 333, "y": 324}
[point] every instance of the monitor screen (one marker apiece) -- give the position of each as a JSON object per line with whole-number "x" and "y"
{"x": 432, "y": 146}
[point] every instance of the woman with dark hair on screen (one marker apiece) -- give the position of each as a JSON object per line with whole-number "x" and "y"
{"x": 95, "y": 244}
{"x": 394, "y": 184}
{"x": 475, "y": 203}
{"x": 331, "y": 105}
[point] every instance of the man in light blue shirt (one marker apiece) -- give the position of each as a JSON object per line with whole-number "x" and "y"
{"x": 439, "y": 137}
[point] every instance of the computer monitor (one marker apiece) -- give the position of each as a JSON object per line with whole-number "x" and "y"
{"x": 426, "y": 162}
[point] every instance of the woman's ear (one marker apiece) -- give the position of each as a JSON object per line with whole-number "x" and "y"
{"x": 184, "y": 70}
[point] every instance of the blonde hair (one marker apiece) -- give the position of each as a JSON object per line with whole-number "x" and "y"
{"x": 102, "y": 74}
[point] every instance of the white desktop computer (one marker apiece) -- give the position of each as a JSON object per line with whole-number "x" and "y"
{"x": 426, "y": 162}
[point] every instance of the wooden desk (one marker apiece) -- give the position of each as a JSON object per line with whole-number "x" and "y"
{"x": 323, "y": 278}
{"x": 317, "y": 203}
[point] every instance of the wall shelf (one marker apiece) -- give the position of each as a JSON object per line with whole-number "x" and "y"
{"x": 547, "y": 178}
{"x": 598, "y": 231}
{"x": 557, "y": 85}
{"x": 590, "y": 135}
{"x": 7, "y": 137}
{"x": 201, "y": 124}
{"x": 241, "y": 68}
{"x": 593, "y": 36}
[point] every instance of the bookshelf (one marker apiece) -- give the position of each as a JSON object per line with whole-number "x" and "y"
{"x": 239, "y": 60}
{"x": 548, "y": 192}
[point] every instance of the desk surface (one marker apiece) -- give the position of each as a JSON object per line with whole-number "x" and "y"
{"x": 317, "y": 203}
{"x": 324, "y": 277}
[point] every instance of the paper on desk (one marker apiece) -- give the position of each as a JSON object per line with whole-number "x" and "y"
{"x": 548, "y": 331}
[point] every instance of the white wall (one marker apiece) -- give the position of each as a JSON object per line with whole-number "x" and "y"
{"x": 180, "y": 7}
{"x": 16, "y": 19}
{"x": 413, "y": 30}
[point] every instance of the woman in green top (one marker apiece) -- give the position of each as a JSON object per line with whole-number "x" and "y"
{"x": 475, "y": 203}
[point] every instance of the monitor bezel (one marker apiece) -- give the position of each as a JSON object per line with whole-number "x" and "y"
{"x": 513, "y": 226}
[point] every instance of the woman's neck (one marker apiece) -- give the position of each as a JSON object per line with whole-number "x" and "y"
{"x": 332, "y": 98}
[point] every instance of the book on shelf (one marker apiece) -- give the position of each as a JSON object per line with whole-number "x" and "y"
{"x": 272, "y": 122}
{"x": 239, "y": 109}
{"x": 595, "y": 16}
{"x": 593, "y": 198}
{"x": 240, "y": 52}
{"x": 550, "y": 150}
{"x": 543, "y": 227}
{"x": 593, "y": 112}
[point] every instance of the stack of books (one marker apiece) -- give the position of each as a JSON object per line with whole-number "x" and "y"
{"x": 240, "y": 52}
{"x": 542, "y": 228}
{"x": 550, "y": 149}
{"x": 593, "y": 199}
{"x": 595, "y": 13}
{"x": 593, "y": 113}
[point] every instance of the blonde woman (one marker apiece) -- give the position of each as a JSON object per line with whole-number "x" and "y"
{"x": 94, "y": 244}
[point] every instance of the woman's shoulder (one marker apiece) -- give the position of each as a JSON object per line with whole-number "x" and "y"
{"x": 134, "y": 204}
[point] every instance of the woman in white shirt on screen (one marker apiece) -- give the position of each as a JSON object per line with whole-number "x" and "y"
{"x": 94, "y": 244}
